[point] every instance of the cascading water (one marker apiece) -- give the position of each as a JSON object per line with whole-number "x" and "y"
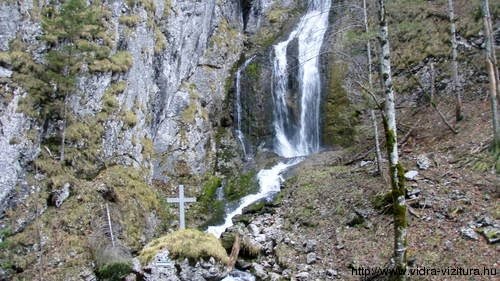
{"x": 300, "y": 139}
{"x": 294, "y": 139}
{"x": 239, "y": 132}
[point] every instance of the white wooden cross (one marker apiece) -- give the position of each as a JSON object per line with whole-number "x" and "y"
{"x": 181, "y": 200}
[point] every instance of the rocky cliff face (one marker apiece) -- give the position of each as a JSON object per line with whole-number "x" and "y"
{"x": 156, "y": 110}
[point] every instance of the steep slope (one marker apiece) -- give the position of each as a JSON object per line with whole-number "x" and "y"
{"x": 140, "y": 103}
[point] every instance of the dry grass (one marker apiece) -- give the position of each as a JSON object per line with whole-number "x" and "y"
{"x": 188, "y": 243}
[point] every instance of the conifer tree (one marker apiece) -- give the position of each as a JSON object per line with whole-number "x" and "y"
{"x": 69, "y": 32}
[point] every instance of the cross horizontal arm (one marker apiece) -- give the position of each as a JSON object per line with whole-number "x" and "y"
{"x": 189, "y": 199}
{"x": 173, "y": 200}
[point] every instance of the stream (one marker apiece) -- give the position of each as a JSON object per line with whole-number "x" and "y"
{"x": 294, "y": 138}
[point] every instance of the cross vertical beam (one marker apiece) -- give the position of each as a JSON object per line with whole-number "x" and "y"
{"x": 181, "y": 200}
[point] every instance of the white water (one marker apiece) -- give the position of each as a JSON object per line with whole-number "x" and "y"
{"x": 239, "y": 133}
{"x": 269, "y": 181}
{"x": 301, "y": 138}
{"x": 293, "y": 139}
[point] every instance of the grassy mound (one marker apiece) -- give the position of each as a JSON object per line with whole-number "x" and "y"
{"x": 188, "y": 243}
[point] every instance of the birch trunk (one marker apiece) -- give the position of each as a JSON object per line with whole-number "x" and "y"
{"x": 370, "y": 84}
{"x": 454, "y": 64}
{"x": 491, "y": 64}
{"x": 395, "y": 168}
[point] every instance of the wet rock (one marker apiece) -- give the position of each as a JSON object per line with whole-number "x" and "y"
{"x": 411, "y": 175}
{"x": 469, "y": 233}
{"x": 423, "y": 163}
{"x": 58, "y": 196}
{"x": 311, "y": 258}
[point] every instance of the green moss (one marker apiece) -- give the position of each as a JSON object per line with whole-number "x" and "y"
{"x": 253, "y": 71}
{"x": 130, "y": 21}
{"x": 224, "y": 37}
{"x": 208, "y": 209}
{"x": 114, "y": 271}
{"x": 136, "y": 200}
{"x": 306, "y": 216}
{"x": 381, "y": 201}
{"x": 340, "y": 115}
{"x": 411, "y": 21}
{"x": 186, "y": 243}
{"x": 241, "y": 185}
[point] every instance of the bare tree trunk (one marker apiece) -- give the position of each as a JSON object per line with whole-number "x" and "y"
{"x": 377, "y": 146}
{"x": 234, "y": 253}
{"x": 395, "y": 168}
{"x": 370, "y": 82}
{"x": 63, "y": 131}
{"x": 458, "y": 106}
{"x": 433, "y": 83}
{"x": 110, "y": 226}
{"x": 491, "y": 64}
{"x": 433, "y": 101}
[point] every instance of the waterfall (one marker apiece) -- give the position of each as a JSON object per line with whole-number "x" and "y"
{"x": 292, "y": 140}
{"x": 239, "y": 132}
{"x": 300, "y": 139}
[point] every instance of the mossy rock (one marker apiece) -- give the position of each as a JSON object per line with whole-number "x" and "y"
{"x": 186, "y": 243}
{"x": 340, "y": 115}
{"x": 239, "y": 186}
{"x": 114, "y": 271}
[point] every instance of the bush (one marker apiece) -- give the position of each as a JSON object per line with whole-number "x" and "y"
{"x": 129, "y": 21}
{"x": 114, "y": 271}
{"x": 187, "y": 243}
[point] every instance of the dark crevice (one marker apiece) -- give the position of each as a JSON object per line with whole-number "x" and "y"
{"x": 246, "y": 6}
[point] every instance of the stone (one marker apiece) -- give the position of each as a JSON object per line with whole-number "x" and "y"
{"x": 469, "y": 233}
{"x": 310, "y": 245}
{"x": 58, "y": 196}
{"x": 448, "y": 245}
{"x": 412, "y": 192}
{"x": 411, "y": 175}
{"x": 364, "y": 163}
{"x": 5, "y": 73}
{"x": 354, "y": 218}
{"x": 273, "y": 276}
{"x": 423, "y": 163}
{"x": 259, "y": 271}
{"x": 491, "y": 233}
{"x": 331, "y": 272}
{"x": 254, "y": 230}
{"x": 311, "y": 258}
{"x": 302, "y": 276}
